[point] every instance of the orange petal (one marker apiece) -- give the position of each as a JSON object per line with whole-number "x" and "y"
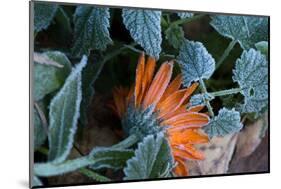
{"x": 173, "y": 87}
{"x": 170, "y": 103}
{"x": 190, "y": 118}
{"x": 187, "y": 151}
{"x": 195, "y": 108}
{"x": 139, "y": 77}
{"x": 180, "y": 110}
{"x": 149, "y": 71}
{"x": 181, "y": 168}
{"x": 158, "y": 85}
{"x": 174, "y": 101}
{"x": 191, "y": 136}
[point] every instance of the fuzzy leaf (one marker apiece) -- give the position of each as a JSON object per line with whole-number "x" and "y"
{"x": 43, "y": 15}
{"x": 197, "y": 99}
{"x": 262, "y": 46}
{"x": 195, "y": 62}
{"x": 145, "y": 29}
{"x": 185, "y": 14}
{"x": 226, "y": 122}
{"x": 248, "y": 30}
{"x": 175, "y": 36}
{"x": 152, "y": 159}
{"x": 251, "y": 73}
{"x": 50, "y": 71}
{"x": 64, "y": 113}
{"x": 39, "y": 132}
{"x": 110, "y": 157}
{"x": 91, "y": 26}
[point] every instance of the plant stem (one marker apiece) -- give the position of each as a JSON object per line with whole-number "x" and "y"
{"x": 226, "y": 92}
{"x": 126, "y": 143}
{"x": 187, "y": 20}
{"x": 204, "y": 90}
{"x": 226, "y": 53}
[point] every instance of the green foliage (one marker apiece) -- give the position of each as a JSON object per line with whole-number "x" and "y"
{"x": 175, "y": 36}
{"x": 43, "y": 15}
{"x": 247, "y": 30}
{"x": 153, "y": 159}
{"x": 226, "y": 122}
{"x": 64, "y": 113}
{"x": 251, "y": 73}
{"x": 91, "y": 29}
{"x": 113, "y": 158}
{"x": 145, "y": 29}
{"x": 50, "y": 71}
{"x": 195, "y": 62}
{"x": 140, "y": 122}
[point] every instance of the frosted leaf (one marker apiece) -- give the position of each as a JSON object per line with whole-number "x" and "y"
{"x": 50, "y": 73}
{"x": 248, "y": 30}
{"x": 64, "y": 114}
{"x": 110, "y": 157}
{"x": 145, "y": 29}
{"x": 262, "y": 46}
{"x": 195, "y": 62}
{"x": 152, "y": 159}
{"x": 226, "y": 122}
{"x": 199, "y": 99}
{"x": 91, "y": 26}
{"x": 43, "y": 15}
{"x": 251, "y": 73}
{"x": 185, "y": 14}
{"x": 175, "y": 36}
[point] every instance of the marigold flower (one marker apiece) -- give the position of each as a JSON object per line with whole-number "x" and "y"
{"x": 170, "y": 102}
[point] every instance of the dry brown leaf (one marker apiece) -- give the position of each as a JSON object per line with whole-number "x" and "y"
{"x": 250, "y": 137}
{"x": 218, "y": 153}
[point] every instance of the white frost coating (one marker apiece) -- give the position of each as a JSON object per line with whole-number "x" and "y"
{"x": 251, "y": 73}
{"x": 145, "y": 29}
{"x": 185, "y": 14}
{"x": 43, "y": 15}
{"x": 90, "y": 29}
{"x": 61, "y": 126}
{"x": 152, "y": 159}
{"x": 226, "y": 122}
{"x": 195, "y": 62}
{"x": 248, "y": 30}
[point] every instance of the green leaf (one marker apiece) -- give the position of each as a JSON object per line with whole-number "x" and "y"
{"x": 91, "y": 26}
{"x": 63, "y": 115}
{"x": 152, "y": 159}
{"x": 40, "y": 134}
{"x": 145, "y": 29}
{"x": 175, "y": 36}
{"x": 226, "y": 122}
{"x": 50, "y": 71}
{"x": 262, "y": 46}
{"x": 195, "y": 62}
{"x": 43, "y": 15}
{"x": 247, "y": 30}
{"x": 183, "y": 15}
{"x": 36, "y": 182}
{"x": 251, "y": 73}
{"x": 110, "y": 157}
{"x": 63, "y": 26}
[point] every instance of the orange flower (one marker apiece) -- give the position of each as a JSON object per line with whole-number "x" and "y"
{"x": 170, "y": 102}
